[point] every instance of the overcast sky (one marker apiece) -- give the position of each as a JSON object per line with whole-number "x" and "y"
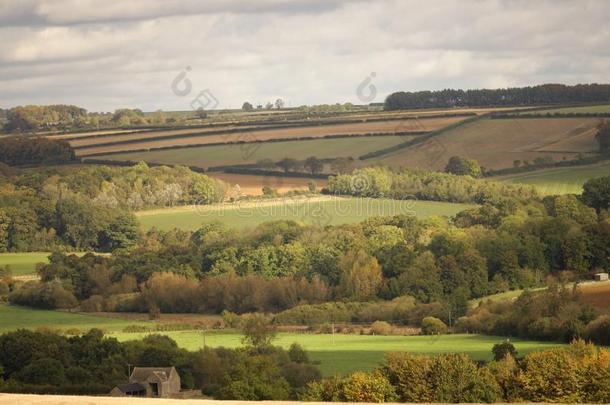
{"x": 108, "y": 54}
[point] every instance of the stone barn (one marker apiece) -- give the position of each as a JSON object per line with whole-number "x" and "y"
{"x": 159, "y": 382}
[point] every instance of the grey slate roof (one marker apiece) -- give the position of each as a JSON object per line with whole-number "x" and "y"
{"x": 142, "y": 373}
{"x": 132, "y": 387}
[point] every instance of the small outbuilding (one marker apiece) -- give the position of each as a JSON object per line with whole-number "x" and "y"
{"x": 601, "y": 277}
{"x": 153, "y": 382}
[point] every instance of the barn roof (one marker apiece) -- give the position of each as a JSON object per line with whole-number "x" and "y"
{"x": 142, "y": 373}
{"x": 130, "y": 388}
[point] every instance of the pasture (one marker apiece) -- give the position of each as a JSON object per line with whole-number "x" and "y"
{"x": 23, "y": 264}
{"x": 565, "y": 180}
{"x": 318, "y": 211}
{"x": 336, "y": 354}
{"x": 14, "y": 317}
{"x": 248, "y": 153}
{"x": 140, "y": 141}
{"x": 345, "y": 353}
{"x": 497, "y": 143}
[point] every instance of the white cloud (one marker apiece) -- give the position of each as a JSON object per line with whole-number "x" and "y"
{"x": 115, "y": 53}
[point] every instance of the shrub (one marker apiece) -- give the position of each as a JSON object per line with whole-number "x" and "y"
{"x": 381, "y": 328}
{"x": 551, "y": 376}
{"x": 433, "y": 326}
{"x": 456, "y": 378}
{"x": 598, "y": 331}
{"x": 408, "y": 375}
{"x": 297, "y": 354}
{"x": 95, "y": 303}
{"x": 368, "y": 387}
{"x": 501, "y": 350}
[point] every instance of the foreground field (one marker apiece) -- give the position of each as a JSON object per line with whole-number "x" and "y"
{"x": 566, "y": 180}
{"x": 239, "y": 154}
{"x": 339, "y": 353}
{"x": 320, "y": 211}
{"x": 497, "y": 143}
{"x": 23, "y": 264}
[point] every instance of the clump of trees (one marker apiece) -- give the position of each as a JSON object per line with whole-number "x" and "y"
{"x": 59, "y": 117}
{"x": 404, "y": 184}
{"x": 44, "y": 362}
{"x": 557, "y": 314}
{"x": 603, "y": 137}
{"x": 16, "y": 151}
{"x": 572, "y": 374}
{"x": 462, "y": 166}
{"x": 91, "y": 207}
{"x": 531, "y": 95}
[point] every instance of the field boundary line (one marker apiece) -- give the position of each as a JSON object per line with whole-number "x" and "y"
{"x": 421, "y": 139}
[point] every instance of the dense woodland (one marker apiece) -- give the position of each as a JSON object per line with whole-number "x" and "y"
{"x": 91, "y": 207}
{"x": 19, "y": 151}
{"x": 531, "y": 95}
{"x": 511, "y": 240}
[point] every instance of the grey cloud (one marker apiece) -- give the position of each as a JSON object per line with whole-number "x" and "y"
{"x": 126, "y": 54}
{"x": 70, "y": 12}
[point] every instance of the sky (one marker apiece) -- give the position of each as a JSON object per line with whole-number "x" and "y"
{"x": 182, "y": 54}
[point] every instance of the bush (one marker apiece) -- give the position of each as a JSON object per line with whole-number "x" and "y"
{"x": 95, "y": 303}
{"x": 381, "y": 328}
{"x": 598, "y": 331}
{"x": 365, "y": 387}
{"x": 408, "y": 375}
{"x": 501, "y": 350}
{"x": 433, "y": 326}
{"x": 297, "y": 354}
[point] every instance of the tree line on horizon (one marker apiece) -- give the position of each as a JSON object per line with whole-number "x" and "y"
{"x": 516, "y": 96}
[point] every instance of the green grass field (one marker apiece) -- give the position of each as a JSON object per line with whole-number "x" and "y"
{"x": 343, "y": 354}
{"x": 339, "y": 354}
{"x": 14, "y": 317}
{"x": 23, "y": 263}
{"x": 238, "y": 154}
{"x": 325, "y": 212}
{"x": 589, "y": 109}
{"x": 566, "y": 180}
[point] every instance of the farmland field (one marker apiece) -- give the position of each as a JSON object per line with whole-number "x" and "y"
{"x": 345, "y": 353}
{"x": 597, "y": 294}
{"x": 340, "y": 353}
{"x": 14, "y": 317}
{"x": 317, "y": 131}
{"x": 590, "y": 109}
{"x": 23, "y": 263}
{"x": 320, "y": 211}
{"x": 222, "y": 155}
{"x": 565, "y": 180}
{"x": 497, "y": 143}
{"x": 253, "y": 184}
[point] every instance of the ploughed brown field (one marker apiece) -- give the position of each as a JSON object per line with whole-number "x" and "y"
{"x": 497, "y": 143}
{"x": 380, "y": 127}
{"x": 597, "y": 294}
{"x": 253, "y": 184}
